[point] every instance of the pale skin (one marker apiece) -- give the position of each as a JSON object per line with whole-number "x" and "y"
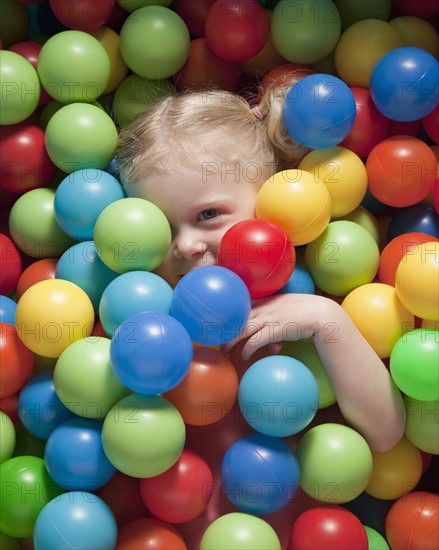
{"x": 199, "y": 212}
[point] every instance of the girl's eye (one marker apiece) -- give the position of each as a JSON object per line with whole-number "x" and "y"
{"x": 208, "y": 214}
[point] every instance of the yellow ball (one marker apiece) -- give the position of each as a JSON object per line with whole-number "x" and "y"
{"x": 343, "y": 173}
{"x": 417, "y": 33}
{"x": 417, "y": 281}
{"x": 51, "y": 315}
{"x": 379, "y": 315}
{"x": 298, "y": 201}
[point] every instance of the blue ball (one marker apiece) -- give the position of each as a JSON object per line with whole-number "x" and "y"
{"x": 213, "y": 304}
{"x": 404, "y": 85}
{"x": 300, "y": 282}
{"x": 80, "y": 264}
{"x": 150, "y": 352}
{"x": 39, "y": 408}
{"x": 81, "y": 197}
{"x": 76, "y": 519}
{"x": 278, "y": 396}
{"x": 319, "y": 111}
{"x": 7, "y": 310}
{"x": 132, "y": 293}
{"x": 421, "y": 217}
{"x": 260, "y": 474}
{"x": 75, "y": 457}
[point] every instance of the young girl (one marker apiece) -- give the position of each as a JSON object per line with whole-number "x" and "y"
{"x": 201, "y": 157}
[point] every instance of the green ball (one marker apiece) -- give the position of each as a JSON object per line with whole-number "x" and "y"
{"x": 26, "y": 488}
{"x": 335, "y": 463}
{"x": 143, "y": 435}
{"x": 84, "y": 380}
{"x": 414, "y": 364}
{"x": 80, "y": 136}
{"x": 366, "y": 219}
{"x": 73, "y": 66}
{"x": 33, "y": 225}
{"x": 421, "y": 428}
{"x": 154, "y": 42}
{"x": 7, "y": 437}
{"x": 375, "y": 540}
{"x": 239, "y": 531}
{"x": 345, "y": 256}
{"x": 132, "y": 235}
{"x": 19, "y": 87}
{"x": 135, "y": 94}
{"x": 306, "y": 31}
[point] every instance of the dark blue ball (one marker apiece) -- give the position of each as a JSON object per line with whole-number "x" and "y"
{"x": 421, "y": 217}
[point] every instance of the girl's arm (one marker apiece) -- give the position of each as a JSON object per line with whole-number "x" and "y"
{"x": 366, "y": 394}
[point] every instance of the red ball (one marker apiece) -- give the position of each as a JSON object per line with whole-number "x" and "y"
{"x": 261, "y": 253}
{"x": 393, "y": 252}
{"x": 24, "y": 162}
{"x": 193, "y": 13}
{"x": 181, "y": 493}
{"x": 236, "y": 30}
{"x": 328, "y": 528}
{"x": 413, "y": 522}
{"x": 34, "y": 273}
{"x": 398, "y": 128}
{"x": 82, "y": 15}
{"x": 370, "y": 126}
{"x": 401, "y": 171}
{"x": 11, "y": 265}
{"x": 430, "y": 123}
{"x": 149, "y": 534}
{"x": 17, "y": 361}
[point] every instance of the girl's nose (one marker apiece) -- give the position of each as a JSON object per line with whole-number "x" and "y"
{"x": 188, "y": 244}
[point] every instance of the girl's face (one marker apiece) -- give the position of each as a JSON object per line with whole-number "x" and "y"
{"x": 200, "y": 208}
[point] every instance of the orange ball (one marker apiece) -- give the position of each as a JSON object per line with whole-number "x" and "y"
{"x": 149, "y": 534}
{"x": 118, "y": 68}
{"x": 208, "y": 391}
{"x": 36, "y": 272}
{"x": 17, "y": 361}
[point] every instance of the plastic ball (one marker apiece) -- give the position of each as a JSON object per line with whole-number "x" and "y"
{"x": 360, "y": 48}
{"x": 73, "y": 66}
{"x": 84, "y": 380}
{"x": 236, "y": 30}
{"x": 420, "y": 218}
{"x": 143, "y": 435}
{"x": 80, "y": 198}
{"x": 403, "y": 82}
{"x": 260, "y": 474}
{"x": 76, "y": 519}
{"x": 7, "y": 436}
{"x": 24, "y": 163}
{"x": 375, "y": 540}
{"x": 7, "y": 310}
{"x": 11, "y": 262}
{"x": 39, "y": 408}
{"x": 327, "y": 528}
{"x": 319, "y": 111}
{"x": 352, "y": 11}
{"x": 430, "y": 124}
{"x": 193, "y": 13}
{"x": 395, "y": 250}
{"x": 149, "y": 534}
{"x": 344, "y": 257}
{"x": 131, "y": 293}
{"x": 281, "y": 76}
{"x": 260, "y": 252}
{"x": 417, "y": 32}
{"x": 366, "y": 219}
{"x": 343, "y": 173}
{"x": 278, "y": 395}
{"x": 25, "y": 489}
{"x": 417, "y": 280}
{"x": 296, "y": 201}
{"x": 413, "y": 521}
{"x": 17, "y": 361}
{"x": 379, "y": 315}
{"x": 154, "y": 42}
{"x": 335, "y": 463}
{"x": 150, "y": 352}
{"x": 395, "y": 472}
{"x": 181, "y": 493}
{"x": 208, "y": 391}
{"x": 81, "y": 136}
{"x": 20, "y": 88}
{"x": 212, "y": 303}
{"x": 413, "y": 364}
{"x": 303, "y": 32}
{"x": 401, "y": 171}
{"x": 300, "y": 282}
{"x": 53, "y": 314}
{"x": 37, "y": 271}
{"x": 132, "y": 234}
{"x": 83, "y": 15}
{"x": 421, "y": 425}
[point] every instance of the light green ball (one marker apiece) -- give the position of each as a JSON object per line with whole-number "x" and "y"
{"x": 74, "y": 66}
{"x": 143, "y": 435}
{"x": 154, "y": 42}
{"x": 7, "y": 437}
{"x": 422, "y": 428}
{"x": 366, "y": 219}
{"x": 19, "y": 87}
{"x": 80, "y": 136}
{"x": 239, "y": 531}
{"x": 335, "y": 463}
{"x": 132, "y": 234}
{"x": 375, "y": 540}
{"x": 84, "y": 380}
{"x": 345, "y": 256}
{"x": 33, "y": 225}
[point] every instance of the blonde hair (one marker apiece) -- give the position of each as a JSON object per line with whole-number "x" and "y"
{"x": 208, "y": 125}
